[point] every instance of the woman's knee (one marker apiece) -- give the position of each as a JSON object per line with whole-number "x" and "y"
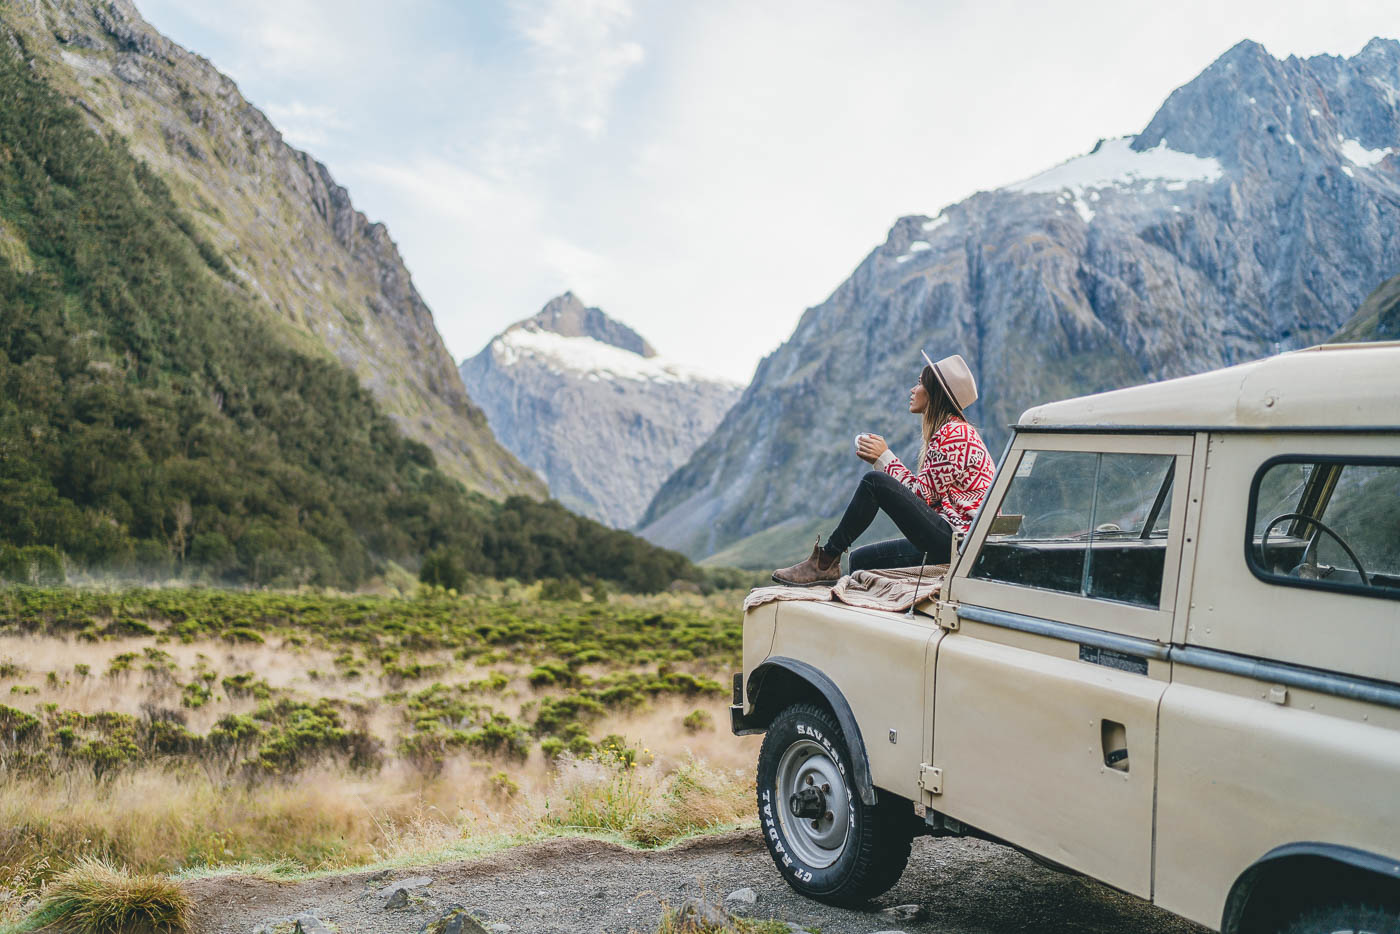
{"x": 878, "y": 479}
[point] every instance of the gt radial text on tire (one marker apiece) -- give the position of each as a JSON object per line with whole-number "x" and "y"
{"x": 825, "y": 841}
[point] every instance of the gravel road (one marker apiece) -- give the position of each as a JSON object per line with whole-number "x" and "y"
{"x": 573, "y": 885}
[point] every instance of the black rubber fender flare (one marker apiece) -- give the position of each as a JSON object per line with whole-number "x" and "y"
{"x": 860, "y": 762}
{"x": 1240, "y": 892}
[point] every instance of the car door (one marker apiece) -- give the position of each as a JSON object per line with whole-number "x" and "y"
{"x": 1046, "y": 692}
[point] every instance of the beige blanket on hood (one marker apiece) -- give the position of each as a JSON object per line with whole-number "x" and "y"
{"x": 893, "y": 589}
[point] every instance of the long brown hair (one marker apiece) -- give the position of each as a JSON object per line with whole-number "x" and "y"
{"x": 939, "y": 411}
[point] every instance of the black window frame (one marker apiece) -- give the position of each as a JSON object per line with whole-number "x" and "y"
{"x": 1166, "y": 488}
{"x": 1360, "y": 460}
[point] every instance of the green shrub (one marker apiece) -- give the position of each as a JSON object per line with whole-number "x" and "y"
{"x": 556, "y": 714}
{"x": 697, "y": 721}
{"x": 501, "y": 736}
{"x": 35, "y": 565}
{"x": 443, "y": 567}
{"x": 503, "y": 786}
{"x": 555, "y": 589}
{"x": 243, "y": 634}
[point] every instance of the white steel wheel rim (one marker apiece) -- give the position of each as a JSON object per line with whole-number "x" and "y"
{"x": 817, "y": 841}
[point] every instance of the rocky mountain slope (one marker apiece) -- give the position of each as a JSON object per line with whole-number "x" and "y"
{"x": 153, "y": 424}
{"x": 296, "y": 244}
{"x": 587, "y": 403}
{"x": 1253, "y": 214}
{"x": 1378, "y": 318}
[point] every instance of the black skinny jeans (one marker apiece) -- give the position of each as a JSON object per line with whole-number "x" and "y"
{"x": 928, "y": 538}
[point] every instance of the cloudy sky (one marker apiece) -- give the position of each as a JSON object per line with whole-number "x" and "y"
{"x": 705, "y": 170}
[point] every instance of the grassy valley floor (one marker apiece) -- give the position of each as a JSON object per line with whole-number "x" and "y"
{"x": 179, "y": 730}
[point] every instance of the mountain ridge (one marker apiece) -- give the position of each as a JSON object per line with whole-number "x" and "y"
{"x": 293, "y": 239}
{"x": 585, "y": 401}
{"x": 1253, "y": 213}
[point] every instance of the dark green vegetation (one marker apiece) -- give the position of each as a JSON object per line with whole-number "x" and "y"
{"x": 1378, "y": 318}
{"x": 152, "y": 423}
{"x": 396, "y": 649}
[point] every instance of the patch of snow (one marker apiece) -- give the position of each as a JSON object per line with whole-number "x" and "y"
{"x": 1347, "y": 169}
{"x": 591, "y": 358}
{"x": 1315, "y": 112}
{"x": 918, "y": 246}
{"x": 1291, "y": 140}
{"x": 904, "y": 258}
{"x": 1083, "y": 210}
{"x": 1253, "y": 101}
{"x": 1117, "y": 165}
{"x": 1357, "y": 154}
{"x": 936, "y": 223}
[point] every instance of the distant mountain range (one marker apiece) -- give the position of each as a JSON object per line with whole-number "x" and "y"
{"x": 587, "y": 402}
{"x": 299, "y": 250}
{"x": 1253, "y": 214}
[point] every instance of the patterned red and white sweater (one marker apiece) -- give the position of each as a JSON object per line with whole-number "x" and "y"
{"x": 956, "y": 475}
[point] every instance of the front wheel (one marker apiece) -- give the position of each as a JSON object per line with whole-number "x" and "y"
{"x": 824, "y": 840}
{"x": 1346, "y": 919}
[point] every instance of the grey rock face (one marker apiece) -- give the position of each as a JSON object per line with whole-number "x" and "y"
{"x": 298, "y": 250}
{"x": 1252, "y": 215}
{"x": 588, "y": 404}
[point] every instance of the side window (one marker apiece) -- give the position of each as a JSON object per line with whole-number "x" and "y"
{"x": 1329, "y": 523}
{"x": 1084, "y": 523}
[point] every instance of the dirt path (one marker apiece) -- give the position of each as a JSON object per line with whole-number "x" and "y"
{"x": 965, "y": 886}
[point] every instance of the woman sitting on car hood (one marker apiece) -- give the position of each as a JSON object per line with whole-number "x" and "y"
{"x": 927, "y": 504}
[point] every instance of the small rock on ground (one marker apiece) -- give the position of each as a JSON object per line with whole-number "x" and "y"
{"x": 455, "y": 920}
{"x": 741, "y": 897}
{"x": 310, "y": 924}
{"x": 905, "y": 913}
{"x": 700, "y": 912}
{"x": 408, "y": 885}
{"x": 306, "y": 922}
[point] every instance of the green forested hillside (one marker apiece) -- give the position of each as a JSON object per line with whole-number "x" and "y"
{"x": 150, "y": 421}
{"x": 1378, "y": 318}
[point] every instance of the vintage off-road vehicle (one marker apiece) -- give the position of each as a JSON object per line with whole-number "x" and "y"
{"x": 1165, "y": 656}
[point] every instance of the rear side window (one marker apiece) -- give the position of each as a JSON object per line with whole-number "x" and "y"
{"x": 1084, "y": 523}
{"x": 1327, "y": 523}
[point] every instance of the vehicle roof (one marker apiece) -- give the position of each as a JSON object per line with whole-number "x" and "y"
{"x": 1331, "y": 385}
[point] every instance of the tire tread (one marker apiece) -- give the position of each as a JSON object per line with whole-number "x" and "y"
{"x": 885, "y": 833}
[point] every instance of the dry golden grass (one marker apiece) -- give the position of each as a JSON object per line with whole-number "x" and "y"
{"x": 155, "y": 820}
{"x": 166, "y": 814}
{"x": 95, "y": 897}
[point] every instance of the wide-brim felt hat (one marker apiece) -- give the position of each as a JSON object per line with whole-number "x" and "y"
{"x": 956, "y": 379}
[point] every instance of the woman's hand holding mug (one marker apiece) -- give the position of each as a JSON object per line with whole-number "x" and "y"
{"x": 869, "y": 447}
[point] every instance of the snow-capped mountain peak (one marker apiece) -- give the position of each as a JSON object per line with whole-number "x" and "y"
{"x": 590, "y": 405}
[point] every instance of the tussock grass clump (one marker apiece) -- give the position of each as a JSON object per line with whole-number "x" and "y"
{"x": 96, "y": 897}
{"x": 650, "y": 805}
{"x": 673, "y": 922}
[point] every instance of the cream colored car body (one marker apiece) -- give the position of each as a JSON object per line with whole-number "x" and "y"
{"x": 1261, "y": 722}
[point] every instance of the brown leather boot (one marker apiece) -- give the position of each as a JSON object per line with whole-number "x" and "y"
{"x": 820, "y": 568}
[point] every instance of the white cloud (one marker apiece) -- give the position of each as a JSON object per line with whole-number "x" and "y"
{"x": 305, "y": 125}
{"x": 581, "y": 54}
